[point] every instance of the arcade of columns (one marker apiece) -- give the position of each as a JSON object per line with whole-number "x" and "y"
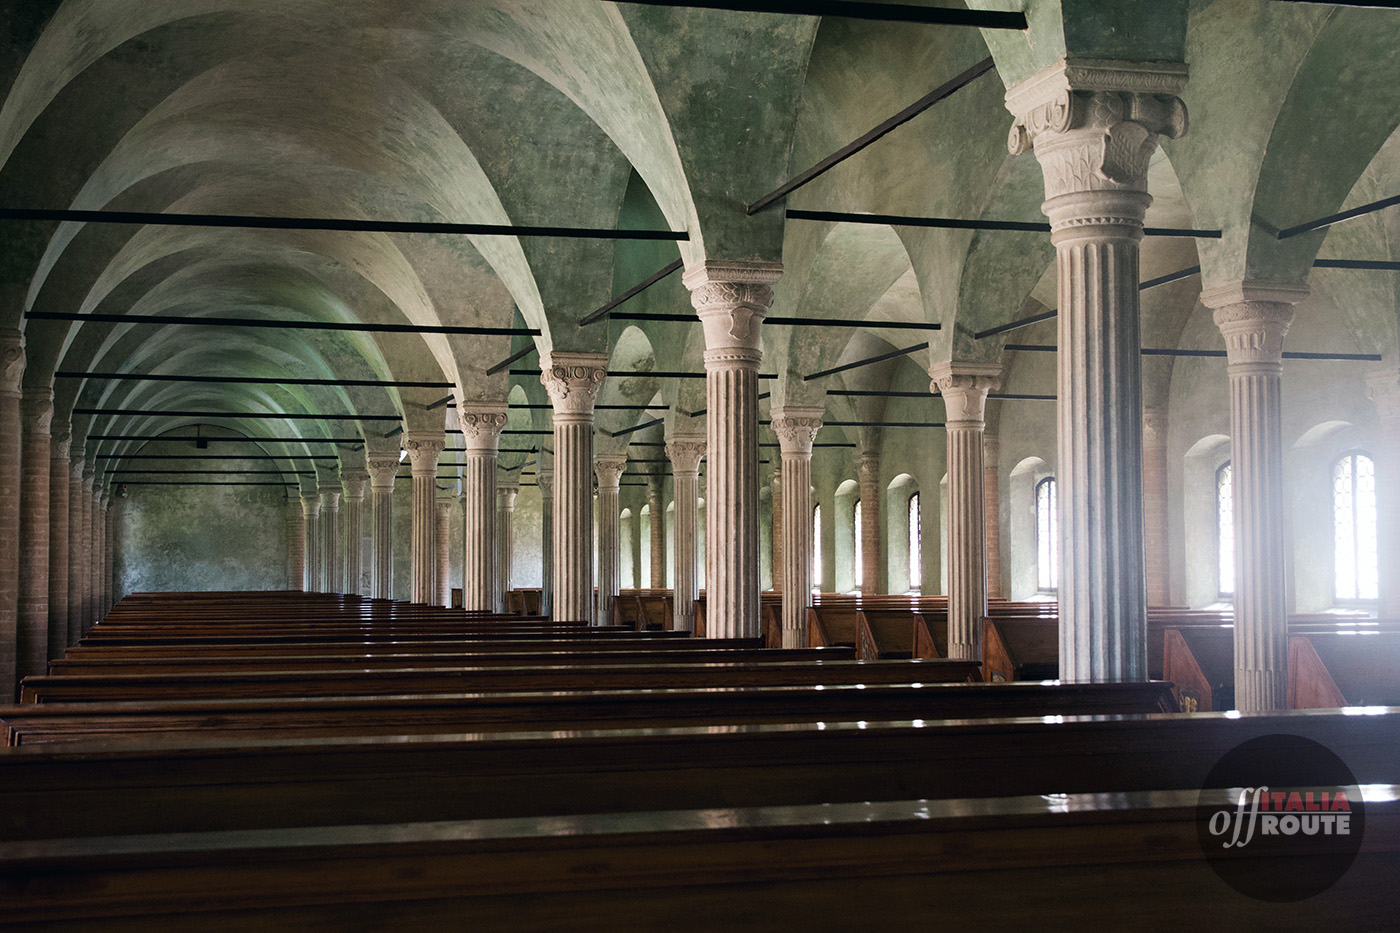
{"x": 1092, "y": 127}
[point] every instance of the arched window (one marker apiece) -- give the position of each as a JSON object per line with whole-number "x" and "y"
{"x": 916, "y": 546}
{"x": 1354, "y": 521}
{"x": 1225, "y": 531}
{"x": 1047, "y": 542}
{"x": 859, "y": 550}
{"x": 817, "y": 574}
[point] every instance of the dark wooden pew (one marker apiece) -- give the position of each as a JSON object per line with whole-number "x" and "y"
{"x": 639, "y": 641}
{"x": 184, "y": 720}
{"x": 110, "y": 687}
{"x": 888, "y": 634}
{"x": 1329, "y": 669}
{"x": 827, "y": 625}
{"x": 1074, "y": 862}
{"x": 56, "y": 791}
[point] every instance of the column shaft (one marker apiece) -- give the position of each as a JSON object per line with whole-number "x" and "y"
{"x": 797, "y": 429}
{"x": 609, "y": 472}
{"x": 686, "y": 451}
{"x": 871, "y": 542}
{"x": 444, "y": 561}
{"x": 296, "y": 546}
{"x": 545, "y": 477}
{"x": 11, "y": 375}
{"x": 1384, "y": 387}
{"x": 311, "y": 566}
{"x": 1254, "y": 330}
{"x": 481, "y": 424}
{"x": 505, "y": 540}
{"x": 58, "y": 546}
{"x": 778, "y": 528}
{"x": 1154, "y": 506}
{"x": 991, "y": 503}
{"x": 423, "y": 450}
{"x": 573, "y": 380}
{"x": 75, "y": 550}
{"x": 35, "y": 460}
{"x": 85, "y": 554}
{"x": 656, "y": 508}
{"x": 381, "y": 481}
{"x": 330, "y": 541}
{"x": 352, "y": 483}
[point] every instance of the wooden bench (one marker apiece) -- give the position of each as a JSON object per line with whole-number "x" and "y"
{"x": 56, "y": 791}
{"x": 1333, "y": 669}
{"x": 827, "y": 626}
{"x": 1073, "y": 862}
{"x": 600, "y": 676}
{"x": 187, "y": 720}
{"x": 887, "y": 634}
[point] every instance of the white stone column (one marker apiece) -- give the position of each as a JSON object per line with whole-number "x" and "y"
{"x": 11, "y": 377}
{"x": 1155, "y": 514}
{"x": 686, "y": 451}
{"x": 505, "y": 539}
{"x": 311, "y": 520}
{"x": 330, "y": 540}
{"x": 871, "y": 542}
{"x": 573, "y": 380}
{"x": 964, "y": 387}
{"x": 991, "y": 507}
{"x": 609, "y": 472}
{"x": 545, "y": 477}
{"x": 75, "y": 548}
{"x": 796, "y": 429}
{"x": 732, "y": 299}
{"x": 1384, "y": 389}
{"x": 352, "y": 485}
{"x": 656, "y": 516}
{"x": 778, "y": 526}
{"x": 423, "y": 450}
{"x": 1094, "y": 126}
{"x": 443, "y": 531}
{"x": 58, "y": 543}
{"x": 1254, "y": 321}
{"x": 381, "y": 507}
{"x": 36, "y": 410}
{"x": 481, "y": 424}
{"x": 296, "y": 545}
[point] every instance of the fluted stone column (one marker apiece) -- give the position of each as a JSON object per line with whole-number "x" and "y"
{"x": 481, "y": 424}
{"x": 609, "y": 471}
{"x": 1155, "y": 513}
{"x": 311, "y": 516}
{"x": 75, "y": 549}
{"x": 381, "y": 508}
{"x": 545, "y": 477}
{"x": 505, "y": 538}
{"x": 991, "y": 505}
{"x": 58, "y": 543}
{"x": 296, "y": 545}
{"x": 352, "y": 485}
{"x": 99, "y": 548}
{"x": 732, "y": 299}
{"x": 423, "y": 450}
{"x": 1384, "y": 389}
{"x": 11, "y": 377}
{"x": 656, "y": 509}
{"x": 444, "y": 561}
{"x": 964, "y": 387}
{"x": 573, "y": 380}
{"x": 872, "y": 580}
{"x": 330, "y": 540}
{"x": 778, "y": 528}
{"x": 85, "y": 555}
{"x": 1254, "y": 321}
{"x": 36, "y": 410}
{"x": 686, "y": 451}
{"x": 797, "y": 429}
{"x": 1094, "y": 126}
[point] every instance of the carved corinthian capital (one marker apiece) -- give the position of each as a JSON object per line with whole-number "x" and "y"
{"x": 609, "y": 470}
{"x": 797, "y": 428}
{"x": 423, "y": 451}
{"x": 1253, "y": 319}
{"x": 481, "y": 424}
{"x": 572, "y": 381}
{"x": 59, "y": 445}
{"x": 352, "y": 484}
{"x": 11, "y": 361}
{"x": 686, "y": 451}
{"x": 382, "y": 468}
{"x": 1094, "y": 124}
{"x": 964, "y": 387}
{"x": 731, "y": 299}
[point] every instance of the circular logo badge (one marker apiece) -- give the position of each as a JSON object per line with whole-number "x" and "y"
{"x": 1280, "y": 818}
